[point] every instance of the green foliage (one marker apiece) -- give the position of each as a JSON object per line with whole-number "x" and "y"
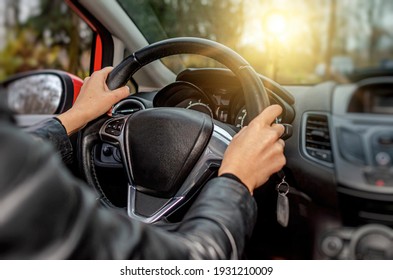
{"x": 51, "y": 38}
{"x": 19, "y": 56}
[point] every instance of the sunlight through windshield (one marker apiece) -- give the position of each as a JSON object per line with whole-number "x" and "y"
{"x": 291, "y": 41}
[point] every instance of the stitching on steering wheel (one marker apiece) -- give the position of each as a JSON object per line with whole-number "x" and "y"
{"x": 97, "y": 183}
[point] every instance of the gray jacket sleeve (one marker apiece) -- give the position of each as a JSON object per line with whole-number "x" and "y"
{"x": 46, "y": 213}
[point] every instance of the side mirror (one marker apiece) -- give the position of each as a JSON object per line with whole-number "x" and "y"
{"x": 41, "y": 92}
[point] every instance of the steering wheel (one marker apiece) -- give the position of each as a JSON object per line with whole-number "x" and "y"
{"x": 168, "y": 153}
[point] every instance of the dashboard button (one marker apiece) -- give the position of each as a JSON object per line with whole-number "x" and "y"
{"x": 331, "y": 246}
{"x": 382, "y": 158}
{"x": 379, "y": 178}
{"x": 385, "y": 140}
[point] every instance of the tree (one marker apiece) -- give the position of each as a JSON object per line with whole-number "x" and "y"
{"x": 63, "y": 32}
{"x": 36, "y": 44}
{"x": 374, "y": 11}
{"x": 12, "y": 15}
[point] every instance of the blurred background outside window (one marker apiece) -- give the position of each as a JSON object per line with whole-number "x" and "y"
{"x": 290, "y": 41}
{"x": 42, "y": 34}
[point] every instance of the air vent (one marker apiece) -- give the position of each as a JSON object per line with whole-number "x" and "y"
{"x": 318, "y": 144}
{"x": 127, "y": 107}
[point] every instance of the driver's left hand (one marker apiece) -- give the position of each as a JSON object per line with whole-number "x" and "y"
{"x": 94, "y": 100}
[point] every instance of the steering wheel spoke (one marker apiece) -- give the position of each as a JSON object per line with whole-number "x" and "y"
{"x": 112, "y": 132}
{"x": 203, "y": 170}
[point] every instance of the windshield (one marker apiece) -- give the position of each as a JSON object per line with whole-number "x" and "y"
{"x": 290, "y": 41}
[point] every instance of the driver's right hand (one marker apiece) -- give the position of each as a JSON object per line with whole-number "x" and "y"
{"x": 257, "y": 151}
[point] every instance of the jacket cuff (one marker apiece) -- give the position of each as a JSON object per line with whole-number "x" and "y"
{"x": 234, "y": 177}
{"x": 231, "y": 206}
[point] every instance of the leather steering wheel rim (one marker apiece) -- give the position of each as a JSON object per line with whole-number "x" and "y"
{"x": 255, "y": 95}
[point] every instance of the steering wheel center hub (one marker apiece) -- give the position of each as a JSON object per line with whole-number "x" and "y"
{"x": 162, "y": 145}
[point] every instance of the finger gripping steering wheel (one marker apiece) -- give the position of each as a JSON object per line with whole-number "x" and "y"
{"x": 169, "y": 153}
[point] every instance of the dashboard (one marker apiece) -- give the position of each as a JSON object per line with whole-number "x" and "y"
{"x": 363, "y": 134}
{"x": 217, "y": 93}
{"x": 339, "y": 159}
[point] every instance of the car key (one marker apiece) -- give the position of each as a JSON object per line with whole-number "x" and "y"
{"x": 282, "y": 200}
{"x": 282, "y": 188}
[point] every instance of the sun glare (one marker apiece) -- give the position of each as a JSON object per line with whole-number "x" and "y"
{"x": 276, "y": 24}
{"x": 266, "y": 25}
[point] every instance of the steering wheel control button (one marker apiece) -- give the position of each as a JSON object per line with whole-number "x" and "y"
{"x": 383, "y": 159}
{"x": 107, "y": 151}
{"x": 115, "y": 127}
{"x": 112, "y": 132}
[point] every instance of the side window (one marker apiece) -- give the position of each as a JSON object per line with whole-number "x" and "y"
{"x": 42, "y": 34}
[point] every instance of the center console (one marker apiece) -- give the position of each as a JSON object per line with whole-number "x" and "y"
{"x": 361, "y": 126}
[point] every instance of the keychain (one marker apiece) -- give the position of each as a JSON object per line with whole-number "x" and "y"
{"x": 282, "y": 200}
{"x": 283, "y": 187}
